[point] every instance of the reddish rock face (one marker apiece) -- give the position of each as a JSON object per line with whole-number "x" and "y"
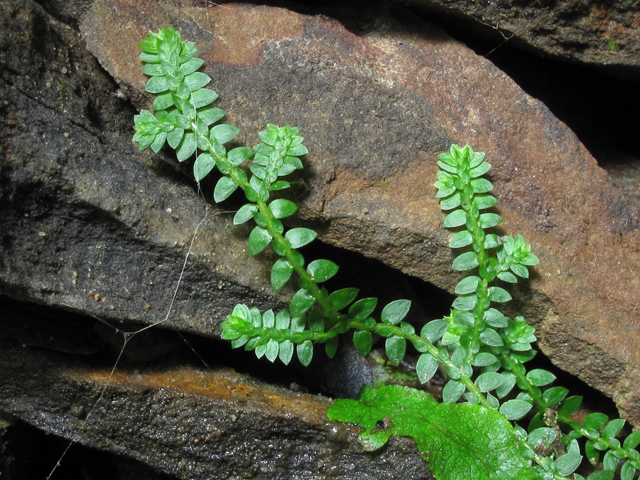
{"x": 375, "y": 109}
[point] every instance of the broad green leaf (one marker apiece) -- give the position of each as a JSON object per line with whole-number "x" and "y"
{"x": 331, "y": 347}
{"x": 286, "y": 352}
{"x": 282, "y": 208}
{"x": 301, "y": 302}
{"x": 542, "y": 437}
{"x": 481, "y": 185}
{"x": 456, "y": 218}
{"x": 489, "y": 381}
{"x": 488, "y": 220}
{"x": 500, "y": 295}
{"x": 187, "y": 147}
{"x": 394, "y": 312}
{"x": 466, "y": 261}
{"x": 508, "y": 384}
{"x": 567, "y": 463}
{"x": 628, "y": 471}
{"x": 540, "y": 378}
{"x": 483, "y": 359}
{"x": 515, "y": 409}
{"x": 238, "y": 155}
{"x": 224, "y": 188}
{"x": 612, "y": 429}
{"x": 197, "y": 80}
{"x": 452, "y": 391}
{"x": 299, "y": 237}
{"x": 280, "y": 273}
{"x": 272, "y": 349}
{"x": 467, "y": 285}
{"x": 602, "y": 475}
{"x": 157, "y": 84}
{"x": 363, "y": 341}
{"x": 259, "y": 239}
{"x": 203, "y": 166}
{"x": 202, "y": 98}
{"x": 484, "y": 201}
{"x": 210, "y": 115}
{"x": 426, "y": 367}
{"x": 395, "y": 347}
{"x": 305, "y": 352}
{"x": 362, "y": 308}
{"x": 632, "y": 441}
{"x": 461, "y": 239}
{"x": 465, "y": 302}
{"x": 244, "y": 213}
{"x": 434, "y": 330}
{"x": 224, "y": 133}
{"x": 554, "y": 395}
{"x": 495, "y": 318}
{"x": 445, "y": 433}
{"x": 571, "y": 405}
{"x": 452, "y": 201}
{"x": 507, "y": 277}
{"x": 491, "y": 337}
{"x": 322, "y": 270}
{"x": 341, "y": 298}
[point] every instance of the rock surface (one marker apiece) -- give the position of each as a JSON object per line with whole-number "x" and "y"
{"x": 93, "y": 226}
{"x": 375, "y": 108}
{"x": 594, "y": 32}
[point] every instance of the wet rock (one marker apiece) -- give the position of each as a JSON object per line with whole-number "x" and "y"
{"x": 375, "y": 109}
{"x": 190, "y": 423}
{"x": 593, "y": 32}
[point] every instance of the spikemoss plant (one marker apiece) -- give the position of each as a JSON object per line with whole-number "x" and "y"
{"x": 497, "y": 420}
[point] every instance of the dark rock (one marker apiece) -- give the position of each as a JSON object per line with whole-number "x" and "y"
{"x": 593, "y": 32}
{"x": 191, "y": 423}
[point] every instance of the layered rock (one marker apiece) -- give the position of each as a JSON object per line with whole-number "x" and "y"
{"x": 94, "y": 226}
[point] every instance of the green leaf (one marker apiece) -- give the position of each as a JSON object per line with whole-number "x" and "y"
{"x": 483, "y": 359}
{"x": 210, "y": 115}
{"x": 571, "y": 405}
{"x": 489, "y": 381}
{"x": 363, "y": 341}
{"x": 187, "y": 147}
{"x": 197, "y": 80}
{"x": 224, "y": 188}
{"x": 445, "y": 433}
{"x": 322, "y": 270}
{"x": 567, "y": 463}
{"x": 239, "y": 155}
{"x": 362, "y": 308}
{"x": 224, "y": 133}
{"x": 554, "y": 395}
{"x": 244, "y": 213}
{"x": 455, "y": 219}
{"x": 434, "y": 330}
{"x": 467, "y": 285}
{"x": 540, "y": 377}
{"x": 495, "y": 318}
{"x": 299, "y": 237}
{"x": 259, "y": 239}
{"x": 602, "y": 475}
{"x": 613, "y": 428}
{"x": 341, "y": 298}
{"x": 395, "y": 347}
{"x": 282, "y": 208}
{"x": 331, "y": 347}
{"x": 452, "y": 391}
{"x": 286, "y": 352}
{"x": 632, "y": 441}
{"x": 515, "y": 409}
{"x": 508, "y": 384}
{"x": 481, "y": 185}
{"x": 394, "y": 312}
{"x": 280, "y": 273}
{"x": 488, "y": 220}
{"x": 500, "y": 295}
{"x": 305, "y": 352}
{"x": 466, "y": 261}
{"x": 426, "y": 367}
{"x": 157, "y": 84}
{"x": 461, "y": 239}
{"x": 542, "y": 437}
{"x": 491, "y": 337}
{"x": 465, "y": 302}
{"x": 202, "y": 166}
{"x": 301, "y": 302}
{"x": 628, "y": 471}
